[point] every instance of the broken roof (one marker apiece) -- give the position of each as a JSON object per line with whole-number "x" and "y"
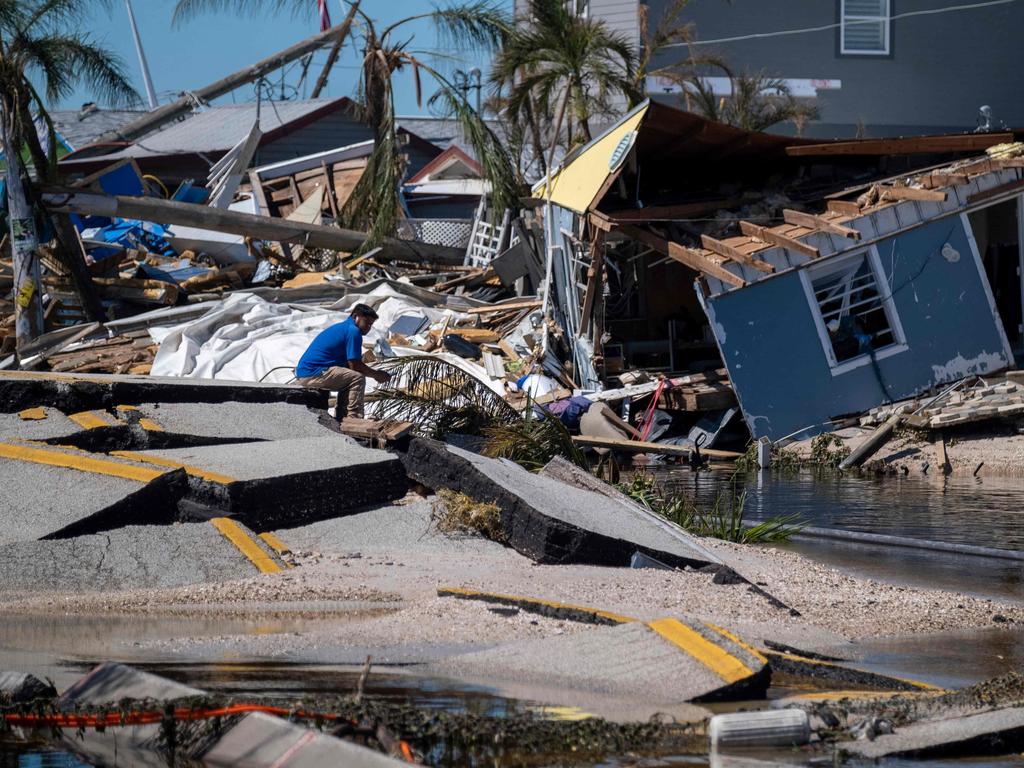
{"x": 81, "y": 127}
{"x": 219, "y": 127}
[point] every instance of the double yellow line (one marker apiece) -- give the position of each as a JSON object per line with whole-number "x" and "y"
{"x": 249, "y": 547}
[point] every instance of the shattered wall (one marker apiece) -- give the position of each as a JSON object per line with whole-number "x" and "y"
{"x": 771, "y": 345}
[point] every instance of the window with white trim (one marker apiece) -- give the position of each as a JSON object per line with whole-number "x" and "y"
{"x": 864, "y": 27}
{"x": 855, "y": 318}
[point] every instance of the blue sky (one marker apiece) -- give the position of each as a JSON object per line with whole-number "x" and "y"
{"x": 207, "y": 48}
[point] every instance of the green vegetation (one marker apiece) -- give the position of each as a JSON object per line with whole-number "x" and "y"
{"x": 724, "y": 520}
{"x": 827, "y": 450}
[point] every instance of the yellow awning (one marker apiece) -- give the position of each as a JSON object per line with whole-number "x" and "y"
{"x": 576, "y": 185}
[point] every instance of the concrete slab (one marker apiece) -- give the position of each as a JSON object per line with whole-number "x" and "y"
{"x": 133, "y": 557}
{"x": 392, "y": 528}
{"x": 19, "y": 687}
{"x": 111, "y": 682}
{"x": 84, "y": 391}
{"x": 546, "y": 519}
{"x": 53, "y": 423}
{"x": 264, "y": 741}
{"x": 668, "y": 661}
{"x": 1000, "y": 731}
{"x": 246, "y": 421}
{"x": 285, "y": 482}
{"x": 50, "y": 492}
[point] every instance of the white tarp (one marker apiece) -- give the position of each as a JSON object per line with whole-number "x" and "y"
{"x": 246, "y": 338}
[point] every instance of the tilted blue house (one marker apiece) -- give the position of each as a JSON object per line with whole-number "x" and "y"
{"x": 906, "y": 278}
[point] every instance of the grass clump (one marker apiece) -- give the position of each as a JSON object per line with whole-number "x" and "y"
{"x": 723, "y": 520}
{"x": 456, "y": 513}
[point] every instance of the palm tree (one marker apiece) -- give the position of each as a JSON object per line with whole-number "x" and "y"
{"x": 480, "y": 25}
{"x": 41, "y": 42}
{"x": 757, "y": 102}
{"x": 559, "y": 61}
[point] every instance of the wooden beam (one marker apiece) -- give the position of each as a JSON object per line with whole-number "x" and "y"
{"x": 1002, "y": 189}
{"x": 845, "y": 207}
{"x": 1011, "y": 162}
{"x": 508, "y": 305}
{"x": 969, "y": 142}
{"x": 71, "y": 200}
{"x": 638, "y": 446}
{"x": 912, "y": 193}
{"x": 697, "y": 260}
{"x": 332, "y": 197}
{"x": 722, "y": 249}
{"x": 594, "y": 277}
{"x": 809, "y": 220}
{"x": 774, "y": 238}
{"x": 938, "y": 179}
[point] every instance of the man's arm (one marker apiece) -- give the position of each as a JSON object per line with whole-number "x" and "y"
{"x": 360, "y": 367}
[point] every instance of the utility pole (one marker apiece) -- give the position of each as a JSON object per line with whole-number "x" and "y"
{"x": 146, "y": 79}
{"x": 28, "y": 295}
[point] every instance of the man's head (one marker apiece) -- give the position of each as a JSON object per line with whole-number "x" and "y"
{"x": 364, "y": 317}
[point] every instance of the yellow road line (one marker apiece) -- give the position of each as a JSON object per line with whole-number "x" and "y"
{"x": 202, "y": 474}
{"x": 730, "y": 636}
{"x": 615, "y": 618}
{"x": 149, "y": 425}
{"x": 820, "y": 663}
{"x": 712, "y": 656}
{"x": 33, "y": 414}
{"x": 278, "y": 546}
{"x": 92, "y": 419}
{"x": 126, "y": 407}
{"x": 245, "y": 544}
{"x": 79, "y": 461}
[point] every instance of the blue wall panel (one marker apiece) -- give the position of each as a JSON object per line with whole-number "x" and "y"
{"x": 775, "y": 358}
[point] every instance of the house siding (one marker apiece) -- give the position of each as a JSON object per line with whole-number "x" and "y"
{"x": 940, "y": 68}
{"x": 770, "y": 344}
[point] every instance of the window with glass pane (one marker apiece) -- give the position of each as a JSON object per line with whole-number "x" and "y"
{"x": 865, "y": 26}
{"x": 853, "y": 310}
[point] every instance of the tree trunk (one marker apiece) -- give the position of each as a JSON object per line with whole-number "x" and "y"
{"x": 28, "y": 299}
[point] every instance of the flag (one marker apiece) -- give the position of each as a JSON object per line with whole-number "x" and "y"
{"x": 325, "y": 16}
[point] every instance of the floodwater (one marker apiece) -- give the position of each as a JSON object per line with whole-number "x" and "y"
{"x": 984, "y": 511}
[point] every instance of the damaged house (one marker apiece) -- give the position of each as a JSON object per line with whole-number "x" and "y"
{"x": 825, "y": 278}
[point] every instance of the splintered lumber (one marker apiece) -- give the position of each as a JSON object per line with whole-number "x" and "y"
{"x": 639, "y": 446}
{"x": 183, "y": 106}
{"x": 912, "y": 193}
{"x": 766, "y": 235}
{"x": 594, "y": 274}
{"x": 809, "y": 220}
{"x": 143, "y": 291}
{"x": 937, "y": 179}
{"x": 845, "y": 207}
{"x": 370, "y": 429}
{"x": 71, "y": 200}
{"x": 697, "y": 260}
{"x": 968, "y": 142}
{"x": 875, "y": 440}
{"x": 475, "y": 335}
{"x": 524, "y": 304}
{"x": 713, "y": 397}
{"x": 723, "y": 249}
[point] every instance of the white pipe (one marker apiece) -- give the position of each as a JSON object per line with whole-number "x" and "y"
{"x": 146, "y": 79}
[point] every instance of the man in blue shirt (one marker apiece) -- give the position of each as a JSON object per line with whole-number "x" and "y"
{"x": 334, "y": 361}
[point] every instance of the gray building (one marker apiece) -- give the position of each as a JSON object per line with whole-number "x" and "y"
{"x": 875, "y": 67}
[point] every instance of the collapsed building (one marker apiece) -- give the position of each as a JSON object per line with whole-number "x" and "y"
{"x": 825, "y": 278}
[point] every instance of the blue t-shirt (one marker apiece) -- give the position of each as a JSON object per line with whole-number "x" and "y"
{"x": 334, "y": 345}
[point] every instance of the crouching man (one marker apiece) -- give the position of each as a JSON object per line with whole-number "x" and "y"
{"x": 334, "y": 361}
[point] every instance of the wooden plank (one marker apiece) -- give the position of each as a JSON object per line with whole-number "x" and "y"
{"x": 872, "y": 443}
{"x": 594, "y": 276}
{"x": 697, "y": 260}
{"x": 912, "y": 193}
{"x": 938, "y": 179}
{"x": 523, "y": 304}
{"x": 510, "y": 351}
{"x": 845, "y": 207}
{"x": 1010, "y": 162}
{"x": 1002, "y": 189}
{"x": 777, "y": 239}
{"x": 903, "y": 146}
{"x": 639, "y": 446}
{"x": 705, "y": 398}
{"x": 811, "y": 221}
{"x": 723, "y": 249}
{"x": 476, "y": 335}
{"x": 329, "y": 189}
{"x": 372, "y": 429}
{"x": 256, "y": 186}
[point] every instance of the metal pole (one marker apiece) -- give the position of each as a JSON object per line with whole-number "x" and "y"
{"x": 146, "y": 79}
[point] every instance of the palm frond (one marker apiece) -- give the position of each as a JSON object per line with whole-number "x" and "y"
{"x": 187, "y": 10}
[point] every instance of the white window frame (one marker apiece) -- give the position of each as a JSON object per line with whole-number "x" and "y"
{"x": 886, "y": 19}
{"x": 807, "y": 277}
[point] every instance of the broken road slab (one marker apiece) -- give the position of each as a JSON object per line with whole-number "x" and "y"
{"x": 135, "y": 557}
{"x": 667, "y": 661}
{"x": 36, "y": 424}
{"x": 112, "y": 682}
{"x": 243, "y": 421}
{"x": 284, "y": 482}
{"x": 546, "y": 519}
{"x": 1000, "y": 731}
{"x": 263, "y": 741}
{"x": 51, "y": 492}
{"x": 83, "y": 391}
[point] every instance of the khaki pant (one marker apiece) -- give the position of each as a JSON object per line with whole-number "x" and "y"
{"x": 350, "y": 386}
